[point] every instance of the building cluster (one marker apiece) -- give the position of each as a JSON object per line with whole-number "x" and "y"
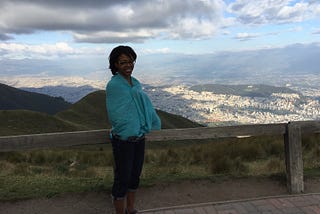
{"x": 207, "y": 107}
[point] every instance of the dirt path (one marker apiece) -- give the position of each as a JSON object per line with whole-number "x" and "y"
{"x": 161, "y": 195}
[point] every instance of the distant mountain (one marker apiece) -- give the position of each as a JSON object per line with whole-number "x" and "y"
{"x": 243, "y": 90}
{"x": 69, "y": 93}
{"x": 12, "y": 98}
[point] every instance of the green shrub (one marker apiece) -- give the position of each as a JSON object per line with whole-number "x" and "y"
{"x": 61, "y": 169}
{"x": 225, "y": 165}
{"x": 309, "y": 142}
{"x": 38, "y": 158}
{"x": 275, "y": 165}
{"x": 22, "y": 169}
{"x": 13, "y": 157}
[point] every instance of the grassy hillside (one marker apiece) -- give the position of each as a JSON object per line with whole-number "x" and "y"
{"x": 89, "y": 112}
{"x": 14, "y": 99}
{"x": 15, "y": 122}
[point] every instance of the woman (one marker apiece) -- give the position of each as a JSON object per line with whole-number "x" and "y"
{"x": 132, "y": 115}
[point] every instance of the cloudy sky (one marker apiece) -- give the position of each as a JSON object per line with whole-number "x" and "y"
{"x": 57, "y": 30}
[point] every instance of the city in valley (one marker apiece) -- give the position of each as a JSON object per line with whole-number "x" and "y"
{"x": 221, "y": 109}
{"x": 294, "y": 102}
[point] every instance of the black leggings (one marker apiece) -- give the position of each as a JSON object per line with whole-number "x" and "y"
{"x": 128, "y": 163}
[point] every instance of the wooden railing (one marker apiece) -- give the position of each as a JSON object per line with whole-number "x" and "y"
{"x": 291, "y": 131}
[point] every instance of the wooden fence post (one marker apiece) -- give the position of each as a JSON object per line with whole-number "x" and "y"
{"x": 293, "y": 158}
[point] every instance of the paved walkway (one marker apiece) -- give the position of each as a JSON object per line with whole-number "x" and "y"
{"x": 304, "y": 203}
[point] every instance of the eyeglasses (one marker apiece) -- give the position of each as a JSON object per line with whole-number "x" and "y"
{"x": 122, "y": 63}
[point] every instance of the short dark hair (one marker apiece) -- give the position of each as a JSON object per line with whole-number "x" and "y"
{"x": 116, "y": 52}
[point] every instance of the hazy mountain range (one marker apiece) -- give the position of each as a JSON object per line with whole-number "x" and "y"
{"x": 295, "y": 65}
{"x": 298, "y": 65}
{"x": 69, "y": 93}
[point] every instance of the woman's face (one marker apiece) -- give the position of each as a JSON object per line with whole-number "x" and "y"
{"x": 125, "y": 65}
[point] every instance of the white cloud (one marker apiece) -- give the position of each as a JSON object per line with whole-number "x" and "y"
{"x": 316, "y": 31}
{"x": 192, "y": 28}
{"x": 273, "y": 12}
{"x": 42, "y": 51}
{"x": 114, "y": 37}
{"x": 246, "y": 36}
{"x": 296, "y": 29}
{"x": 155, "y": 51}
{"x": 296, "y": 13}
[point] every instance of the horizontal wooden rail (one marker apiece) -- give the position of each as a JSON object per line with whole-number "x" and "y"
{"x": 62, "y": 139}
{"x": 218, "y": 132}
{"x": 291, "y": 131}
{"x": 52, "y": 140}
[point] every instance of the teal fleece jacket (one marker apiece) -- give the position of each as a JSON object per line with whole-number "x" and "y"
{"x": 129, "y": 109}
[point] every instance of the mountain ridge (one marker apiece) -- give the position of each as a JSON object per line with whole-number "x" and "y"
{"x": 13, "y": 98}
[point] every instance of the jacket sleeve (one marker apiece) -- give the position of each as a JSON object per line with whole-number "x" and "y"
{"x": 116, "y": 105}
{"x": 156, "y": 122}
